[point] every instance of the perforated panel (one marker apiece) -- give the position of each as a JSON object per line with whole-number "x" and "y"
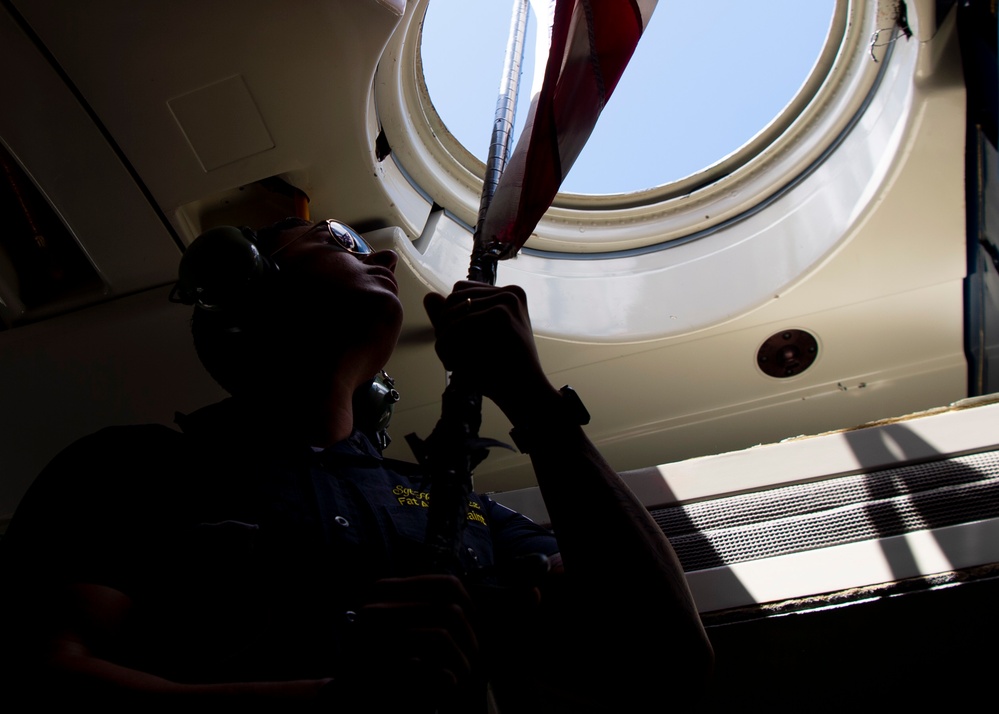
{"x": 833, "y": 512}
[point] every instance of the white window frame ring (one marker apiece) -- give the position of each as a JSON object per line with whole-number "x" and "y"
{"x": 757, "y": 221}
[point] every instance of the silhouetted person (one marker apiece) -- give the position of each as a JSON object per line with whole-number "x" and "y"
{"x": 266, "y": 556}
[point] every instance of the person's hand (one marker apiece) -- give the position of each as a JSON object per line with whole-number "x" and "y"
{"x": 484, "y": 334}
{"x": 413, "y": 648}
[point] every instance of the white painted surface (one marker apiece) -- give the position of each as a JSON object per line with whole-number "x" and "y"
{"x": 847, "y": 566}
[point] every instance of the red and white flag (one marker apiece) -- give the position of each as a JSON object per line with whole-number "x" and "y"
{"x": 591, "y": 42}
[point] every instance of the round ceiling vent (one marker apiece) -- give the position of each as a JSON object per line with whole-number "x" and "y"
{"x": 787, "y": 353}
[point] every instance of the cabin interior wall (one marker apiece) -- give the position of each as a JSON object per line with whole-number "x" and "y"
{"x": 886, "y": 306}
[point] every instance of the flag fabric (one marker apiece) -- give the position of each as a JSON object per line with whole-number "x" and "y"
{"x": 591, "y": 42}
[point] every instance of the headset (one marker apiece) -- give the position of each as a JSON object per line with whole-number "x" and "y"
{"x": 223, "y": 272}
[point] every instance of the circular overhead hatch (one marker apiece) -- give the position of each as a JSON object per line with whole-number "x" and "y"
{"x": 755, "y": 221}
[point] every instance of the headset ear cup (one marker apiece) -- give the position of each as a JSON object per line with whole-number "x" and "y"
{"x": 220, "y": 269}
{"x": 374, "y": 403}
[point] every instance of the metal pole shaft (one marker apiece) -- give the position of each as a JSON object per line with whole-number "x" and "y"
{"x": 483, "y": 265}
{"x": 453, "y": 449}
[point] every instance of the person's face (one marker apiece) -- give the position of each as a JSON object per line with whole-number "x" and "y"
{"x": 326, "y": 287}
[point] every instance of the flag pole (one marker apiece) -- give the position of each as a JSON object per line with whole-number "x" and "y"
{"x": 454, "y": 448}
{"x": 589, "y": 46}
{"x": 483, "y": 263}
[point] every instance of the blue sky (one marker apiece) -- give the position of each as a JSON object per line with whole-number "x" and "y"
{"x": 707, "y": 75}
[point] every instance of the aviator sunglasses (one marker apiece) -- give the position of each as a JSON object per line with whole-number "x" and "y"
{"x": 340, "y": 235}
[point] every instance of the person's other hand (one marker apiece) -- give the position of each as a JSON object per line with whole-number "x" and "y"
{"x": 413, "y": 647}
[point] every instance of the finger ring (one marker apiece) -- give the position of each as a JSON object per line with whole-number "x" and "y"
{"x": 468, "y": 304}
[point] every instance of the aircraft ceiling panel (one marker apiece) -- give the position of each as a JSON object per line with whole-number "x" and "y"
{"x": 74, "y": 166}
{"x": 306, "y": 68}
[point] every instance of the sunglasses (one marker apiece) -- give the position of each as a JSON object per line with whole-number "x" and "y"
{"x": 340, "y": 235}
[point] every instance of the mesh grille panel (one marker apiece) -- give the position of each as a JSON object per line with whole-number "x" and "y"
{"x": 833, "y": 512}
